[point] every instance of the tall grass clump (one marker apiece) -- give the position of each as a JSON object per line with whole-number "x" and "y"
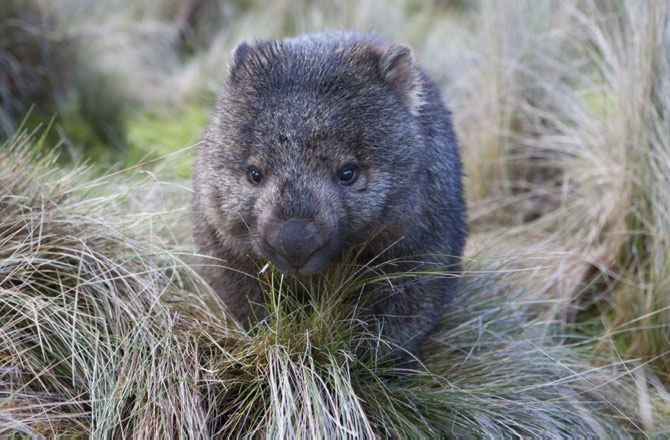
{"x": 635, "y": 72}
{"x": 104, "y": 331}
{"x": 88, "y": 344}
{"x": 578, "y": 162}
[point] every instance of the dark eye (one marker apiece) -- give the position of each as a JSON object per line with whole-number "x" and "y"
{"x": 254, "y": 174}
{"x": 348, "y": 174}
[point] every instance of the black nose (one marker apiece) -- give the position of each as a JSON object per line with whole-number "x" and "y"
{"x": 296, "y": 240}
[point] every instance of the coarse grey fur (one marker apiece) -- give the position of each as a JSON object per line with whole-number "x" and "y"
{"x": 298, "y": 110}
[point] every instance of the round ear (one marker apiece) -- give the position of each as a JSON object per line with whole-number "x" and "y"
{"x": 401, "y": 73}
{"x": 238, "y": 58}
{"x": 396, "y": 66}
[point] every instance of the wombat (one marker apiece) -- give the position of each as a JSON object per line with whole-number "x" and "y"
{"x": 320, "y": 143}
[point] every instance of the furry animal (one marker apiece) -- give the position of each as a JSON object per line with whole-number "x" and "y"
{"x": 320, "y": 143}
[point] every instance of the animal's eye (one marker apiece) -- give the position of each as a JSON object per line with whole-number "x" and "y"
{"x": 347, "y": 174}
{"x": 254, "y": 174}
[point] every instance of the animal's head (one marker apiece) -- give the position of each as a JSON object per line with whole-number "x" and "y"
{"x": 312, "y": 148}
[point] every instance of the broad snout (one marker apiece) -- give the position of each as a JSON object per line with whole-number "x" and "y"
{"x": 294, "y": 242}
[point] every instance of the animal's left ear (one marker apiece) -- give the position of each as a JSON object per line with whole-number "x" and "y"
{"x": 397, "y": 66}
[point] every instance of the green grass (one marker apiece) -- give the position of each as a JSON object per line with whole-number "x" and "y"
{"x": 153, "y": 136}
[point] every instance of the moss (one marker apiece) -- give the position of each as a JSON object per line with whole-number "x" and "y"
{"x": 153, "y": 134}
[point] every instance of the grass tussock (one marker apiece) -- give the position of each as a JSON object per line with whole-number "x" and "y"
{"x": 581, "y": 155}
{"x": 87, "y": 341}
{"x": 106, "y": 332}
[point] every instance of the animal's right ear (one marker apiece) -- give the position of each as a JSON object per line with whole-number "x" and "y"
{"x": 238, "y": 59}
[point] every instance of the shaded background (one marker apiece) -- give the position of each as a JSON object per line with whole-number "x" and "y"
{"x": 126, "y": 77}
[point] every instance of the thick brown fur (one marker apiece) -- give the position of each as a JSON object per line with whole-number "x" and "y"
{"x": 298, "y": 110}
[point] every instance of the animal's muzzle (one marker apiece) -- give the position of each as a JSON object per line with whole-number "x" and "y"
{"x": 296, "y": 240}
